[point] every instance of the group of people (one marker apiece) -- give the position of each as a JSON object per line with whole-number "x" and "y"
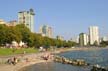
{"x": 13, "y": 61}
{"x": 47, "y": 56}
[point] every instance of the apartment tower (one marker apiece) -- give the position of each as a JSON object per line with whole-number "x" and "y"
{"x": 83, "y": 39}
{"x": 94, "y": 35}
{"x": 45, "y": 30}
{"x": 27, "y": 18}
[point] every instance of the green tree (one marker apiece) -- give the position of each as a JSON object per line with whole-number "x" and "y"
{"x": 104, "y": 43}
{"x": 25, "y": 32}
{"x": 95, "y": 43}
{"x": 46, "y": 42}
{"x": 3, "y": 32}
{"x": 13, "y": 34}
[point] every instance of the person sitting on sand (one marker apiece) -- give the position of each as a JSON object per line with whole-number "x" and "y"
{"x": 46, "y": 57}
{"x": 14, "y": 61}
{"x": 9, "y": 61}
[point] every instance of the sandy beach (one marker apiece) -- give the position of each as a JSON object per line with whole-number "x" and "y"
{"x": 25, "y": 60}
{"x": 35, "y": 58}
{"x": 18, "y": 66}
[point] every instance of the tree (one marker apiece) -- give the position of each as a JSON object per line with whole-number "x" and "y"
{"x": 95, "y": 43}
{"x": 3, "y": 31}
{"x": 21, "y": 33}
{"x": 46, "y": 42}
{"x": 38, "y": 40}
{"x": 13, "y": 35}
{"x": 104, "y": 43}
{"x": 25, "y": 32}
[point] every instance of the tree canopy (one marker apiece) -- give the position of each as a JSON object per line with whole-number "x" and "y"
{"x": 21, "y": 33}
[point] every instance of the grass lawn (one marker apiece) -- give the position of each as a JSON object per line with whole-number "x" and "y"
{"x": 8, "y": 51}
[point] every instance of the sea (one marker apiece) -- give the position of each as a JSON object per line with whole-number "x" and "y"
{"x": 94, "y": 57}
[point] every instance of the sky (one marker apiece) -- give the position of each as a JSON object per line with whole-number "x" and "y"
{"x": 67, "y": 17}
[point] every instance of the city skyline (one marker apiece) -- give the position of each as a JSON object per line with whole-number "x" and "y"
{"x": 67, "y": 18}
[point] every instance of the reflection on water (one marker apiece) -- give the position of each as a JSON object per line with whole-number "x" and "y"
{"x": 91, "y": 56}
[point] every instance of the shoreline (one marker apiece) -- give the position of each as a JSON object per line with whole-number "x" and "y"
{"x": 35, "y": 58}
{"x": 78, "y": 49}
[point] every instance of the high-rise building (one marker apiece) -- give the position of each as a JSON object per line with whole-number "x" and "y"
{"x": 46, "y": 31}
{"x": 27, "y": 18}
{"x": 60, "y": 37}
{"x": 83, "y": 39}
{"x": 94, "y": 35}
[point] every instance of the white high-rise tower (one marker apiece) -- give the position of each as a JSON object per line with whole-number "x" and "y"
{"x": 94, "y": 35}
{"x": 27, "y": 18}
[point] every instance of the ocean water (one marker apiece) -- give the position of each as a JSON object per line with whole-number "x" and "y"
{"x": 91, "y": 56}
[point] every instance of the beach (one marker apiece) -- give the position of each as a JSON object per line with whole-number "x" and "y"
{"x": 18, "y": 66}
{"x": 25, "y": 60}
{"x": 30, "y": 59}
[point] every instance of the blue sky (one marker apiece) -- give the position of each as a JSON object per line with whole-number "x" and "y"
{"x": 67, "y": 17}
